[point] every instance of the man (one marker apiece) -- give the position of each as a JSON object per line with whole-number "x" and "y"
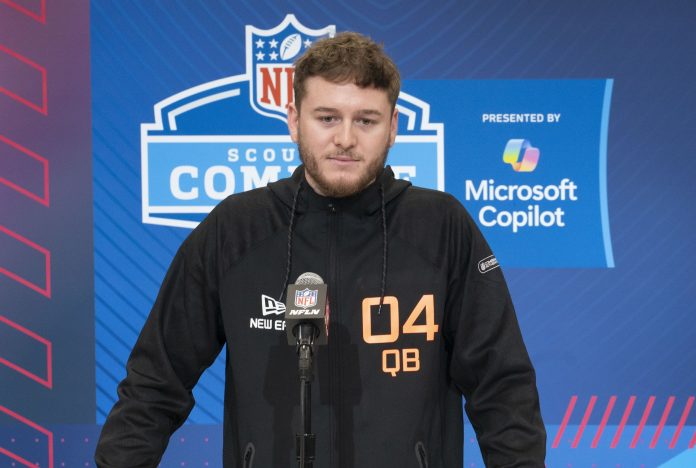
{"x": 419, "y": 312}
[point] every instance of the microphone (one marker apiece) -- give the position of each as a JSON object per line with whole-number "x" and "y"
{"x": 307, "y": 311}
{"x": 307, "y": 324}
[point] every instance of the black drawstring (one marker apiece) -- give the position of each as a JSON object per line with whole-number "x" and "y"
{"x": 290, "y": 229}
{"x": 384, "y": 250}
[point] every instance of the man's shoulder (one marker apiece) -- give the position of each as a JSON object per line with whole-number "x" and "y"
{"x": 242, "y": 202}
{"x": 252, "y": 209}
{"x": 423, "y": 193}
{"x": 238, "y": 223}
{"x": 432, "y": 223}
{"x": 434, "y": 203}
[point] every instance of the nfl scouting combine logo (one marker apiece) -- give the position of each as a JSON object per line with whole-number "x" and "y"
{"x": 230, "y": 135}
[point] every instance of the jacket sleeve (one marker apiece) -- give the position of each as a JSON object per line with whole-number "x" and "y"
{"x": 489, "y": 361}
{"x": 180, "y": 339}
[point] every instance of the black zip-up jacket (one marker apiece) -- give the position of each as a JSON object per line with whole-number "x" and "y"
{"x": 388, "y": 386}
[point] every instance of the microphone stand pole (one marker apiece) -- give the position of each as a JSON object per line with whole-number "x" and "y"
{"x": 305, "y": 440}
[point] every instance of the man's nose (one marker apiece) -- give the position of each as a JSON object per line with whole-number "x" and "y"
{"x": 345, "y": 135}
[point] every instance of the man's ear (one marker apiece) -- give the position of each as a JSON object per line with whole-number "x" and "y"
{"x": 293, "y": 120}
{"x": 394, "y": 127}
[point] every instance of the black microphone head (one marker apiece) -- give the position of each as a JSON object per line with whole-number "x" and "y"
{"x": 306, "y": 303}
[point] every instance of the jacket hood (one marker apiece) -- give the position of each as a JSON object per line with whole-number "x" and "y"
{"x": 366, "y": 201}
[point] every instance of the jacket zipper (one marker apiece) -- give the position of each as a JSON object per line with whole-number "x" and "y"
{"x": 334, "y": 362}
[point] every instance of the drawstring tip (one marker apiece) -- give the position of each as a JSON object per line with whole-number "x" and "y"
{"x": 381, "y": 303}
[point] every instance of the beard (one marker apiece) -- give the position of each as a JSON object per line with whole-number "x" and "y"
{"x": 342, "y": 186}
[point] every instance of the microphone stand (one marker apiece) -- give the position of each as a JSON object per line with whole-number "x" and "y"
{"x": 305, "y": 440}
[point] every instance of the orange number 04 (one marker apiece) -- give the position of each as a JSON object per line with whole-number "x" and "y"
{"x": 426, "y": 306}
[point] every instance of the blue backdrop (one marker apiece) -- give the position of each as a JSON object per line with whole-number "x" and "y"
{"x": 604, "y": 293}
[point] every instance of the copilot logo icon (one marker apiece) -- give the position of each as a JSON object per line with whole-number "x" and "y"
{"x": 517, "y": 147}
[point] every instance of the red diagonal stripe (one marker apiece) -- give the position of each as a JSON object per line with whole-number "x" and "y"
{"x": 41, "y": 107}
{"x": 36, "y": 427}
{"x": 36, "y": 165}
{"x": 622, "y": 424}
{"x": 663, "y": 420}
{"x": 40, "y": 17}
{"x": 46, "y": 350}
{"x": 585, "y": 419}
{"x": 17, "y": 458}
{"x": 643, "y": 420}
{"x": 46, "y": 289}
{"x": 692, "y": 442}
{"x": 682, "y": 421}
{"x": 564, "y": 423}
{"x": 603, "y": 423}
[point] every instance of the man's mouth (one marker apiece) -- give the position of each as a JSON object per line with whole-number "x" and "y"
{"x": 343, "y": 157}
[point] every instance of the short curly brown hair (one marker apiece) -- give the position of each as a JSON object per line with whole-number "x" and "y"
{"x": 348, "y": 57}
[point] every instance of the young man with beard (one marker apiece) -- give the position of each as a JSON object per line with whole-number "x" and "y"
{"x": 415, "y": 322}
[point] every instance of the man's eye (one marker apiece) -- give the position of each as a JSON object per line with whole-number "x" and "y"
{"x": 366, "y": 122}
{"x": 327, "y": 119}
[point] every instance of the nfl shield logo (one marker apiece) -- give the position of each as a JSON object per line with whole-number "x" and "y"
{"x": 306, "y": 298}
{"x": 270, "y": 57}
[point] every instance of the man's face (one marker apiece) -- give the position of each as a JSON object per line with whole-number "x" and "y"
{"x": 344, "y": 133}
